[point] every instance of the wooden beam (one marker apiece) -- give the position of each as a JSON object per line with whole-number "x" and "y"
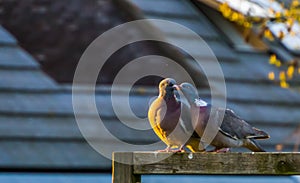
{"x": 268, "y": 163}
{"x": 124, "y": 172}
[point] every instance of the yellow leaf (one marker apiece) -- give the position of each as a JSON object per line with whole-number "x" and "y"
{"x": 299, "y": 70}
{"x": 290, "y": 71}
{"x": 241, "y": 16}
{"x": 282, "y": 76}
{"x": 268, "y": 35}
{"x": 273, "y": 59}
{"x": 281, "y": 35}
{"x": 277, "y": 14}
{"x": 290, "y": 22}
{"x": 286, "y": 13}
{"x": 284, "y": 84}
{"x": 225, "y": 9}
{"x": 247, "y": 24}
{"x": 271, "y": 76}
{"x": 294, "y": 12}
{"x": 234, "y": 16}
{"x": 295, "y": 3}
{"x": 278, "y": 63}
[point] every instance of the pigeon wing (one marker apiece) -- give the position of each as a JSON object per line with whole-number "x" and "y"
{"x": 235, "y": 127}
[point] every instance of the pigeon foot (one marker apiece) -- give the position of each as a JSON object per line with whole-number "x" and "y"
{"x": 223, "y": 150}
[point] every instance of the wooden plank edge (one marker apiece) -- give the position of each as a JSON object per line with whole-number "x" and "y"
{"x": 123, "y": 172}
{"x": 266, "y": 163}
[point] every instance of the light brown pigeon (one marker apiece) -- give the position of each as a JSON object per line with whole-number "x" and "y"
{"x": 164, "y": 117}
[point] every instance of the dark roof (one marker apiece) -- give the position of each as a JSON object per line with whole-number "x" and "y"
{"x": 70, "y": 26}
{"x": 38, "y": 129}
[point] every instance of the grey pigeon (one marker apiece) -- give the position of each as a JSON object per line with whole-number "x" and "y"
{"x": 164, "y": 116}
{"x": 233, "y": 132}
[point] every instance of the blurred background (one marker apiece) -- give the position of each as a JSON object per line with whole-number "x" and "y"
{"x": 41, "y": 42}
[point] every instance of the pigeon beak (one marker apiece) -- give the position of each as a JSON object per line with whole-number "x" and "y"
{"x": 176, "y": 87}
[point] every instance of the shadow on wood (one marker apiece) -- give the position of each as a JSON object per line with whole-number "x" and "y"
{"x": 203, "y": 164}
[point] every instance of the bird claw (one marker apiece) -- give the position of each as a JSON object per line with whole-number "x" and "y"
{"x": 168, "y": 149}
{"x": 164, "y": 150}
{"x": 223, "y": 150}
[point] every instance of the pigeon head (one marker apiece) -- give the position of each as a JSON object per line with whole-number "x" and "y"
{"x": 166, "y": 87}
{"x": 189, "y": 92}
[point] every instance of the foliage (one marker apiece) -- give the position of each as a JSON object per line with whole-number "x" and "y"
{"x": 288, "y": 16}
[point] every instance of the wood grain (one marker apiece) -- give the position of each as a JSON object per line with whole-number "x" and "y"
{"x": 270, "y": 163}
{"x": 123, "y": 172}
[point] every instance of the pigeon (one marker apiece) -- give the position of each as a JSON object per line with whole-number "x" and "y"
{"x": 165, "y": 118}
{"x": 233, "y": 131}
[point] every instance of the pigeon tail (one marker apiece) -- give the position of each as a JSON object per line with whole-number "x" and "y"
{"x": 259, "y": 134}
{"x": 253, "y": 146}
